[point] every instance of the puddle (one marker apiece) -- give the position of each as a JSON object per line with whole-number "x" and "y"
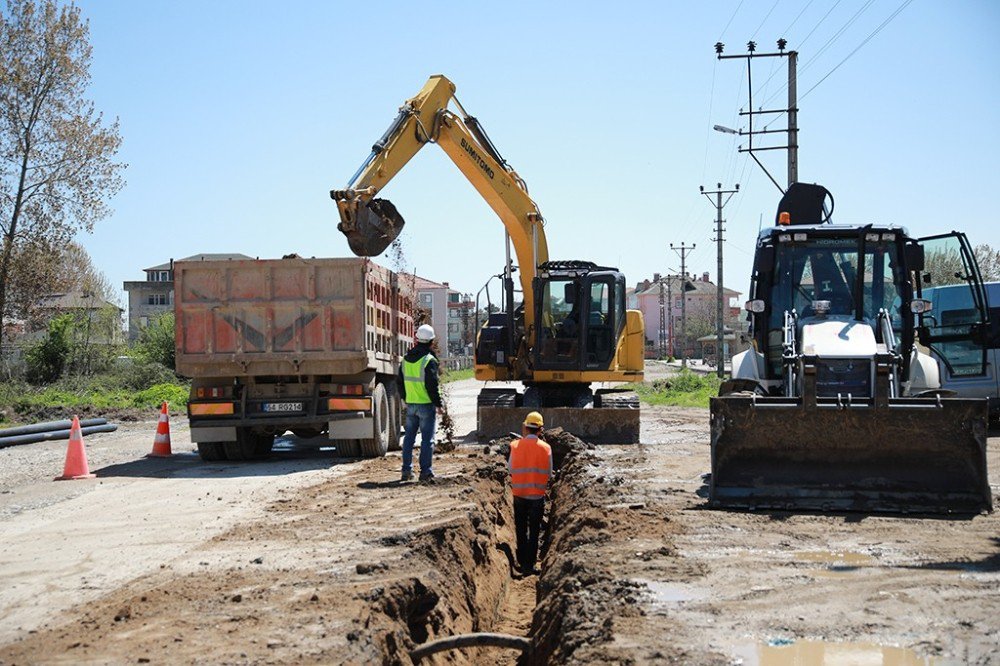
{"x": 665, "y": 594}
{"x": 835, "y": 561}
{"x": 820, "y": 653}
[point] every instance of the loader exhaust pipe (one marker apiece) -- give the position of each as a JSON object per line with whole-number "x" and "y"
{"x": 370, "y": 228}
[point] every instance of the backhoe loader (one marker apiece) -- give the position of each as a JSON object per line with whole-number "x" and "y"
{"x": 571, "y": 328}
{"x": 838, "y": 404}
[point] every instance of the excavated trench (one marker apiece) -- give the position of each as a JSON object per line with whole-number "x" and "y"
{"x": 470, "y": 585}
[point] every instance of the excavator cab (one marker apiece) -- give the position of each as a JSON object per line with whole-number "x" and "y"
{"x": 581, "y": 311}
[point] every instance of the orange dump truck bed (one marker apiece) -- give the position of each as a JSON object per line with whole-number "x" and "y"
{"x": 306, "y": 345}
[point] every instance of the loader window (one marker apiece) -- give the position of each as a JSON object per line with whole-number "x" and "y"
{"x": 826, "y": 269}
{"x": 951, "y": 281}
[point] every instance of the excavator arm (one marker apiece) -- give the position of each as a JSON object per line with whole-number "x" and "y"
{"x": 371, "y": 224}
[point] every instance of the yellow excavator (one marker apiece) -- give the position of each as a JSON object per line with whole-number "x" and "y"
{"x": 571, "y": 328}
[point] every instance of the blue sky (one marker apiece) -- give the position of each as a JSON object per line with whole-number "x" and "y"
{"x": 239, "y": 117}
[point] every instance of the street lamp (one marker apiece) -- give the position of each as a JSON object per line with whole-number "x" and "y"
{"x": 724, "y": 129}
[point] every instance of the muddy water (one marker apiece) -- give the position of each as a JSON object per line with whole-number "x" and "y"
{"x": 821, "y": 653}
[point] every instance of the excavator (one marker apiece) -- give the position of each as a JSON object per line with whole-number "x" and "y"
{"x": 571, "y": 327}
{"x": 838, "y": 404}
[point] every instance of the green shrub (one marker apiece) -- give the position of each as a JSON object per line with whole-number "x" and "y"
{"x": 46, "y": 359}
{"x": 156, "y": 341}
{"x": 154, "y": 396}
{"x": 684, "y": 389}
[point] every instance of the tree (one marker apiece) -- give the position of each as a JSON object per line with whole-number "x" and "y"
{"x": 48, "y": 358}
{"x": 156, "y": 341}
{"x": 989, "y": 262}
{"x": 57, "y": 168}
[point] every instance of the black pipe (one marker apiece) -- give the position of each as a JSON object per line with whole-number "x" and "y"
{"x": 48, "y": 425}
{"x": 32, "y": 438}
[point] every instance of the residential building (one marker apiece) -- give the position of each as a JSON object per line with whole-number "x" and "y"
{"x": 461, "y": 323}
{"x": 432, "y": 300}
{"x": 154, "y": 296}
{"x": 701, "y": 295}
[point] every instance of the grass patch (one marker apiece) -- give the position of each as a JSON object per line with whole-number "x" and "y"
{"x": 448, "y": 376}
{"x": 685, "y": 389}
{"x": 133, "y": 388}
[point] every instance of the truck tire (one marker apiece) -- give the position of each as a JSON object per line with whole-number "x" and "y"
{"x": 248, "y": 445}
{"x": 377, "y": 446}
{"x": 211, "y": 451}
{"x": 395, "y": 417}
{"x": 348, "y": 448}
{"x": 262, "y": 446}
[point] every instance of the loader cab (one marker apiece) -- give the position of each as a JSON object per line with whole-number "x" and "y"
{"x": 853, "y": 271}
{"x": 860, "y": 270}
{"x": 580, "y": 312}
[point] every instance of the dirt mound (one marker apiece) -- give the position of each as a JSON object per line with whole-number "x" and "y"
{"x": 563, "y": 444}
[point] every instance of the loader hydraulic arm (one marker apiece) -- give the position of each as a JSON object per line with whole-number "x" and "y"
{"x": 371, "y": 224}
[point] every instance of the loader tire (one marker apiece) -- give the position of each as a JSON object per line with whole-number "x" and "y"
{"x": 377, "y": 446}
{"x": 497, "y": 398}
{"x": 211, "y": 451}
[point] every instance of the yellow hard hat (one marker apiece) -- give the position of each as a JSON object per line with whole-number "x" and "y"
{"x": 534, "y": 419}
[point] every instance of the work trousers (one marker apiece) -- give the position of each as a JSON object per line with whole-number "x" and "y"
{"x": 527, "y": 524}
{"x": 419, "y": 417}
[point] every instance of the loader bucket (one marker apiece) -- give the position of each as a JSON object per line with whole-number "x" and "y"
{"x": 906, "y": 455}
{"x": 599, "y": 425}
{"x": 371, "y": 228}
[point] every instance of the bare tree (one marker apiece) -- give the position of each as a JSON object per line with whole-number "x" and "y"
{"x": 57, "y": 168}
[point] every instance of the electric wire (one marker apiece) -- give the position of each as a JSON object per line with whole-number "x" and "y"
{"x": 729, "y": 22}
{"x": 764, "y": 20}
{"x": 877, "y": 30}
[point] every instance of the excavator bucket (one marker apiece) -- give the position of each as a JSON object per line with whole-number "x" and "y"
{"x": 370, "y": 228}
{"x": 905, "y": 455}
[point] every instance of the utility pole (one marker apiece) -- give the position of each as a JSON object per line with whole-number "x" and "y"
{"x": 662, "y": 353}
{"x": 792, "y": 111}
{"x": 682, "y": 251}
{"x": 720, "y": 351}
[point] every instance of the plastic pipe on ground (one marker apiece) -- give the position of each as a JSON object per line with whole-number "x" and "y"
{"x": 32, "y": 438}
{"x": 47, "y": 426}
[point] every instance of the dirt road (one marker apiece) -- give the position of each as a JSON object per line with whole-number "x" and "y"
{"x": 310, "y": 559}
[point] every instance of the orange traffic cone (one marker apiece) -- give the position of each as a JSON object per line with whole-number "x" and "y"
{"x": 76, "y": 456}
{"x": 161, "y": 443}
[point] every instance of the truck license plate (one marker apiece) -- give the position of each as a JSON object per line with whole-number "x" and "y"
{"x": 282, "y": 406}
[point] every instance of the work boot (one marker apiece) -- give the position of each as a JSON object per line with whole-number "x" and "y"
{"x": 407, "y": 476}
{"x": 427, "y": 478}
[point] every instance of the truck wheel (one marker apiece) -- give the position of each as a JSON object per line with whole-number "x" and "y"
{"x": 263, "y": 444}
{"x": 377, "y": 446}
{"x": 348, "y": 448}
{"x": 211, "y": 451}
{"x": 245, "y": 446}
{"x": 395, "y": 417}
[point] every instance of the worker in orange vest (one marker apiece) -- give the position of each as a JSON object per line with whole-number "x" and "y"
{"x": 530, "y": 470}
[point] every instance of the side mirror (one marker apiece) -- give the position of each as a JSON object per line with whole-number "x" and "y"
{"x": 921, "y": 306}
{"x": 763, "y": 260}
{"x": 914, "y": 257}
{"x": 569, "y": 292}
{"x": 756, "y": 306}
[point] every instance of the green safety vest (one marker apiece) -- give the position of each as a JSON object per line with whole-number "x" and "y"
{"x": 413, "y": 379}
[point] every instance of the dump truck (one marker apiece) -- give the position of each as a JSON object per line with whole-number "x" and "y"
{"x": 310, "y": 346}
{"x": 839, "y": 404}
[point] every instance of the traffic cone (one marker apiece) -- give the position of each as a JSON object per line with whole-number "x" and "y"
{"x": 161, "y": 443}
{"x": 76, "y": 456}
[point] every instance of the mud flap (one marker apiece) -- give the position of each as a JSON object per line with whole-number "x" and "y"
{"x": 919, "y": 455}
{"x": 370, "y": 229}
{"x": 600, "y": 425}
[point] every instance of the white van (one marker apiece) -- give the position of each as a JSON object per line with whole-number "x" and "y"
{"x": 969, "y": 369}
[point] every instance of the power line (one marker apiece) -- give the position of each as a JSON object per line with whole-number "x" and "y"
{"x": 735, "y": 12}
{"x": 792, "y": 24}
{"x": 818, "y": 24}
{"x": 858, "y": 47}
{"x": 754, "y": 36}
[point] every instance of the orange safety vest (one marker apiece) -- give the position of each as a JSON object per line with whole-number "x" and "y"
{"x": 530, "y": 467}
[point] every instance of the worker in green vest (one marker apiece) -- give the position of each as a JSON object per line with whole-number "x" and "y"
{"x": 418, "y": 375}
